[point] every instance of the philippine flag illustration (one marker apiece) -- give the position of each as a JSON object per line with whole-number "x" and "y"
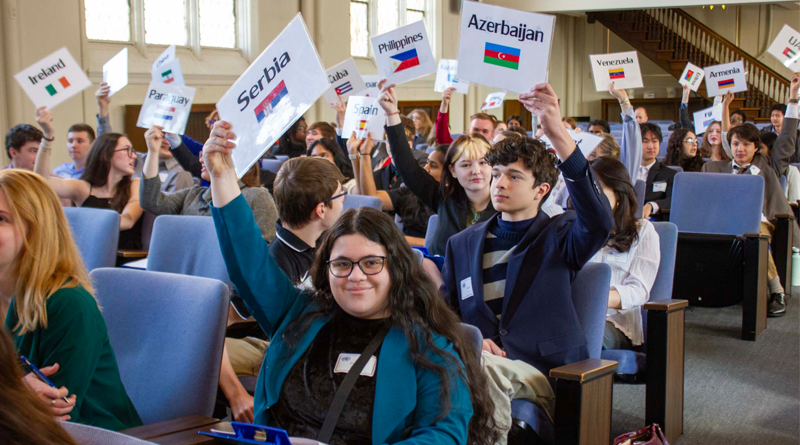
{"x": 405, "y": 60}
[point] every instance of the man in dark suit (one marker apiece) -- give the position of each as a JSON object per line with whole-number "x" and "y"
{"x": 511, "y": 276}
{"x": 659, "y": 177}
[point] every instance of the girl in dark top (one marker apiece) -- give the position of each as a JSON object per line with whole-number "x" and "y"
{"x": 328, "y": 149}
{"x": 682, "y": 151}
{"x": 463, "y": 196}
{"x": 293, "y": 142}
{"x": 106, "y": 181}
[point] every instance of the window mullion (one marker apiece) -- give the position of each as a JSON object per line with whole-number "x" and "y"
{"x": 137, "y": 26}
{"x": 401, "y": 13}
{"x": 193, "y": 26}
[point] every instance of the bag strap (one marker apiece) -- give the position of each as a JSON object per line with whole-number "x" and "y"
{"x": 332, "y": 418}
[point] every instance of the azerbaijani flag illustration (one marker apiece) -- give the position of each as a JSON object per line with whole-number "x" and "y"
{"x": 616, "y": 73}
{"x": 505, "y": 56}
{"x": 269, "y": 103}
{"x": 52, "y": 90}
{"x": 164, "y": 112}
{"x": 405, "y": 60}
{"x": 167, "y": 77}
{"x": 343, "y": 88}
{"x": 727, "y": 83}
{"x": 788, "y": 52}
{"x": 688, "y": 77}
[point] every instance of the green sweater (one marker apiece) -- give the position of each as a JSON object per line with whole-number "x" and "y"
{"x": 77, "y": 339}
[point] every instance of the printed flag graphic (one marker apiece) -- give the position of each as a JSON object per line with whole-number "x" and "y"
{"x": 343, "y": 88}
{"x": 689, "y": 74}
{"x": 362, "y": 125}
{"x": 788, "y": 52}
{"x": 405, "y": 60}
{"x": 708, "y": 122}
{"x": 165, "y": 113}
{"x": 727, "y": 83}
{"x": 616, "y": 73}
{"x": 505, "y": 56}
{"x": 52, "y": 90}
{"x": 167, "y": 77}
{"x": 266, "y": 107}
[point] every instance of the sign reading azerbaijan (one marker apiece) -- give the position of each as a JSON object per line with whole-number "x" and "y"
{"x": 620, "y": 68}
{"x": 404, "y": 54}
{"x": 786, "y": 48}
{"x": 504, "y": 48}
{"x": 53, "y": 79}
{"x": 728, "y": 77}
{"x": 167, "y": 106}
{"x": 281, "y": 84}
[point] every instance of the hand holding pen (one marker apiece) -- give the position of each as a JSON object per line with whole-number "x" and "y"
{"x": 38, "y": 381}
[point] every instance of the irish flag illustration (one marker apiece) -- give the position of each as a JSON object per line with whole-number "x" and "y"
{"x": 616, "y": 73}
{"x": 500, "y": 55}
{"x": 727, "y": 83}
{"x": 51, "y": 89}
{"x": 405, "y": 60}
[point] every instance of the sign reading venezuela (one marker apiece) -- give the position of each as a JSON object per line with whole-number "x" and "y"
{"x": 620, "y": 68}
{"x": 404, "y": 54}
{"x": 53, "y": 79}
{"x": 504, "y": 48}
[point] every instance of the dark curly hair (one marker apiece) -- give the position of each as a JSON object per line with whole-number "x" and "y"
{"x": 675, "y": 155}
{"x": 18, "y": 135}
{"x": 615, "y": 176}
{"x": 534, "y": 155}
{"x": 416, "y": 309}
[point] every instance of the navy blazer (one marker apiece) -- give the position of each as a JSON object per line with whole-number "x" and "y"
{"x": 539, "y": 323}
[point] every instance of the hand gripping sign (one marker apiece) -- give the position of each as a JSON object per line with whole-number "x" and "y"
{"x": 585, "y": 141}
{"x": 371, "y": 81}
{"x": 166, "y": 106}
{"x": 446, "y": 77}
{"x": 275, "y": 91}
{"x": 345, "y": 81}
{"x": 363, "y": 116}
{"x": 692, "y": 76}
{"x": 404, "y": 54}
{"x": 115, "y": 72}
{"x": 728, "y": 77}
{"x": 786, "y": 48}
{"x": 620, "y": 68}
{"x": 504, "y": 48}
{"x": 53, "y": 79}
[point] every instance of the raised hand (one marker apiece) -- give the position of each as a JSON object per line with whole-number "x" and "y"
{"x": 794, "y": 86}
{"x": 103, "y": 98}
{"x": 543, "y": 102}
{"x": 45, "y": 120}
{"x": 154, "y": 137}
{"x": 357, "y": 146}
{"x": 686, "y": 93}
{"x": 447, "y": 94}
{"x": 726, "y": 101}
{"x": 388, "y": 96}
{"x": 620, "y": 95}
{"x": 341, "y": 108}
{"x": 218, "y": 148}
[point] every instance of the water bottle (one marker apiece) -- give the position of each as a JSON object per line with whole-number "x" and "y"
{"x": 795, "y": 266}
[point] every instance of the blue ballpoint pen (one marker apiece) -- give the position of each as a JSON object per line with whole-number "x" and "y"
{"x": 32, "y": 368}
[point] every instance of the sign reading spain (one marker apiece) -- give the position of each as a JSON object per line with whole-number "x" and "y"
{"x": 404, "y": 54}
{"x": 53, "y": 79}
{"x": 725, "y": 78}
{"x": 167, "y": 106}
{"x": 283, "y": 82}
{"x": 786, "y": 48}
{"x": 363, "y": 116}
{"x": 620, "y": 68}
{"x": 504, "y": 48}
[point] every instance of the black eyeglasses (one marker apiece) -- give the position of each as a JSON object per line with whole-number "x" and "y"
{"x": 128, "y": 149}
{"x": 370, "y": 265}
{"x": 344, "y": 193}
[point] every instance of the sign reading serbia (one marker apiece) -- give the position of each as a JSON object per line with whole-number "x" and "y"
{"x": 404, "y": 54}
{"x": 285, "y": 80}
{"x": 620, "y": 68}
{"x": 53, "y": 79}
{"x": 345, "y": 81}
{"x": 504, "y": 48}
{"x": 167, "y": 106}
{"x": 363, "y": 115}
{"x": 786, "y": 48}
{"x": 728, "y": 77}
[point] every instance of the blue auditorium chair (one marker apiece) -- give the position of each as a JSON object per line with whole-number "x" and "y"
{"x": 356, "y": 201}
{"x": 272, "y": 165}
{"x": 167, "y": 332}
{"x": 640, "y": 187}
{"x": 676, "y": 168}
{"x": 96, "y": 233}
{"x": 430, "y": 150}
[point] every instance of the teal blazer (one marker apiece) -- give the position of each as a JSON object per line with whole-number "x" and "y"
{"x": 405, "y": 394}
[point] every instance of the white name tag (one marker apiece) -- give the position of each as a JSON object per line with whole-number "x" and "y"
{"x": 660, "y": 186}
{"x": 346, "y": 361}
{"x": 466, "y": 288}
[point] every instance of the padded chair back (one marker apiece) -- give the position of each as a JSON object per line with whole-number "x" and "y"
{"x": 430, "y": 231}
{"x": 167, "y": 332}
{"x": 590, "y": 297}
{"x": 187, "y": 245}
{"x": 148, "y": 220}
{"x": 717, "y": 203}
{"x": 91, "y": 435}
{"x": 676, "y": 168}
{"x": 282, "y": 158}
{"x": 640, "y": 188}
{"x": 357, "y": 201}
{"x": 96, "y": 233}
{"x": 272, "y": 165}
{"x": 668, "y": 241}
{"x": 430, "y": 150}
{"x": 476, "y": 337}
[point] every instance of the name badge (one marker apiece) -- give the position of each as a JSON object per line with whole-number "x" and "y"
{"x": 616, "y": 257}
{"x": 346, "y": 361}
{"x": 466, "y": 288}
{"x": 660, "y": 186}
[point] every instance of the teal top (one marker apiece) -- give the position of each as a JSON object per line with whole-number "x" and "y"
{"x": 77, "y": 339}
{"x": 406, "y": 395}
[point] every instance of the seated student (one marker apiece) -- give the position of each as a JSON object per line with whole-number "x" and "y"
{"x": 462, "y": 198}
{"x": 633, "y": 253}
{"x": 480, "y": 123}
{"x": 745, "y": 143}
{"x": 53, "y": 318}
{"x": 320, "y": 130}
{"x": 712, "y": 143}
{"x": 422, "y": 126}
{"x": 776, "y": 124}
{"x": 737, "y": 117}
{"x": 518, "y": 130}
{"x": 26, "y": 419}
{"x": 22, "y": 144}
{"x": 682, "y": 151}
{"x": 328, "y": 149}
{"x": 599, "y": 127}
{"x": 368, "y": 284}
{"x": 510, "y": 276}
{"x": 500, "y": 128}
{"x": 514, "y": 119}
{"x": 293, "y": 142}
{"x": 641, "y": 115}
{"x": 79, "y": 142}
{"x": 656, "y": 174}
{"x": 106, "y": 181}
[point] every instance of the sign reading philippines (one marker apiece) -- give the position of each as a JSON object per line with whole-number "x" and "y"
{"x": 404, "y": 53}
{"x": 504, "y": 48}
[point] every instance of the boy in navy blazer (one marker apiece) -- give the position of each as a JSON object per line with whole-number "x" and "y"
{"x": 511, "y": 275}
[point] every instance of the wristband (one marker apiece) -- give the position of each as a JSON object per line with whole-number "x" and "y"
{"x": 391, "y": 114}
{"x": 352, "y": 156}
{"x": 48, "y": 140}
{"x": 363, "y": 154}
{"x": 793, "y": 101}
{"x": 626, "y": 101}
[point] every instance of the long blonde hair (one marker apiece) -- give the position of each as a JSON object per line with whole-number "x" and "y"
{"x": 49, "y": 259}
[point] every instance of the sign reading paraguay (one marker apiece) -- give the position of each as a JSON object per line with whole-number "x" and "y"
{"x": 620, "y": 68}
{"x": 404, "y": 54}
{"x": 167, "y": 106}
{"x": 504, "y": 48}
{"x": 53, "y": 79}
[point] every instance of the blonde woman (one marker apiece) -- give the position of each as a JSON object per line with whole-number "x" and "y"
{"x": 52, "y": 316}
{"x": 422, "y": 126}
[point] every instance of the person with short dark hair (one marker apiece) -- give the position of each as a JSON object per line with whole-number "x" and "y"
{"x": 22, "y": 144}
{"x": 514, "y": 119}
{"x": 599, "y": 127}
{"x": 79, "y": 142}
{"x": 293, "y": 142}
{"x": 776, "y": 123}
{"x": 737, "y": 118}
{"x": 328, "y": 149}
{"x": 657, "y": 176}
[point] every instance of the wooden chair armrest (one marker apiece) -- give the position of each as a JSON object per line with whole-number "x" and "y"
{"x": 784, "y": 216}
{"x": 132, "y": 253}
{"x": 666, "y": 305}
{"x": 584, "y": 370}
{"x": 756, "y": 235}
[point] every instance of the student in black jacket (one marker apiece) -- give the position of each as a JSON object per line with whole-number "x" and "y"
{"x": 659, "y": 177}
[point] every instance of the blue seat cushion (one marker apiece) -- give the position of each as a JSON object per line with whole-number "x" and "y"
{"x": 630, "y": 362}
{"x": 533, "y": 416}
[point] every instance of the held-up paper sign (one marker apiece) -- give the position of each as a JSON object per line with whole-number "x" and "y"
{"x": 446, "y": 77}
{"x": 404, "y": 54}
{"x": 170, "y": 73}
{"x": 167, "y": 56}
{"x": 504, "y": 48}
{"x": 704, "y": 118}
{"x": 363, "y": 115}
{"x": 166, "y": 106}
{"x": 345, "y": 81}
{"x": 283, "y": 82}
{"x": 585, "y": 141}
{"x": 371, "y": 81}
{"x": 115, "y": 72}
{"x": 53, "y": 79}
{"x": 692, "y": 76}
{"x": 786, "y": 48}
{"x": 620, "y": 68}
{"x": 494, "y": 100}
{"x": 725, "y": 78}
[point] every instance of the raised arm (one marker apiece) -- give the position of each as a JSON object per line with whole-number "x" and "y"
{"x": 631, "y": 147}
{"x": 341, "y": 108}
{"x": 726, "y": 123}
{"x": 443, "y": 118}
{"x": 103, "y": 102}
{"x": 152, "y": 199}
{"x": 365, "y": 181}
{"x": 784, "y": 146}
{"x": 684, "y": 119}
{"x": 75, "y": 190}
